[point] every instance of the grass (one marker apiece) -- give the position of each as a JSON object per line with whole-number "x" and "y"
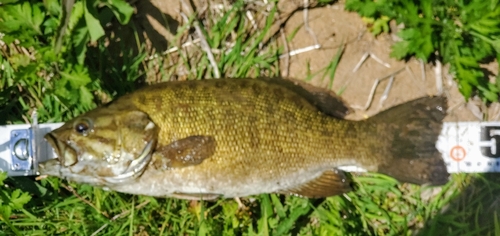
{"x": 80, "y": 78}
{"x": 379, "y": 206}
{"x": 329, "y": 70}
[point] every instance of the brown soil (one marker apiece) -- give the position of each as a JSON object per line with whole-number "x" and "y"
{"x": 333, "y": 28}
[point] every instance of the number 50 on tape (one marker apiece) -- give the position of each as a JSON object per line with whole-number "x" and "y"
{"x": 470, "y": 147}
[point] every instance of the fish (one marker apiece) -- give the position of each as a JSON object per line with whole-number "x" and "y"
{"x": 226, "y": 138}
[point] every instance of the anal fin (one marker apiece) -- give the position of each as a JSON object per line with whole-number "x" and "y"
{"x": 330, "y": 183}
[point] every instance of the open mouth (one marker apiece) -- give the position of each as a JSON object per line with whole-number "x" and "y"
{"x": 65, "y": 154}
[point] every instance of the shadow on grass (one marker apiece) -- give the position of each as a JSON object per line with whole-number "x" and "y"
{"x": 10, "y": 108}
{"x": 118, "y": 60}
{"x": 476, "y": 211}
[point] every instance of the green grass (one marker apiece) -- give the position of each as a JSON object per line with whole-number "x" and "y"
{"x": 329, "y": 70}
{"x": 90, "y": 71}
{"x": 379, "y": 206}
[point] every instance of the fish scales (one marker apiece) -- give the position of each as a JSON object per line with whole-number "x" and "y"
{"x": 276, "y": 126}
{"x": 266, "y": 138}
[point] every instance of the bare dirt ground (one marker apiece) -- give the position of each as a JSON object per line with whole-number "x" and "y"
{"x": 332, "y": 27}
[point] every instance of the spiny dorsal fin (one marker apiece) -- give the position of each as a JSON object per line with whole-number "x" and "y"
{"x": 325, "y": 100}
{"x": 330, "y": 183}
{"x": 184, "y": 152}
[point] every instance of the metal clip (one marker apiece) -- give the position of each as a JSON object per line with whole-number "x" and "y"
{"x": 25, "y": 147}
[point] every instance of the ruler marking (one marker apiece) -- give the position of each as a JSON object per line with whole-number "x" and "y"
{"x": 458, "y": 153}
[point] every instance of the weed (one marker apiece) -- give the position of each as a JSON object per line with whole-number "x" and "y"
{"x": 463, "y": 34}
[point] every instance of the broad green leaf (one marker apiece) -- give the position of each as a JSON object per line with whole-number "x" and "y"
{"x": 465, "y": 88}
{"x": 287, "y": 224}
{"x": 368, "y": 8}
{"x": 3, "y": 176}
{"x": 5, "y": 211}
{"x": 38, "y": 17}
{"x": 93, "y": 25}
{"x": 86, "y": 98}
{"x": 485, "y": 29}
{"x": 496, "y": 45}
{"x": 76, "y": 14}
{"x": 467, "y": 61}
{"x": 18, "y": 199}
{"x": 121, "y": 9}
{"x": 50, "y": 26}
{"x": 9, "y": 26}
{"x": 53, "y": 7}
{"x": 426, "y": 48}
{"x": 9, "y": 1}
{"x": 408, "y": 33}
{"x": 381, "y": 25}
{"x": 400, "y": 50}
{"x": 75, "y": 79}
{"x": 278, "y": 206}
{"x": 489, "y": 94}
{"x": 80, "y": 38}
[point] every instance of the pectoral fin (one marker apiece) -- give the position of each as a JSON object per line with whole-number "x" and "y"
{"x": 184, "y": 152}
{"x": 330, "y": 183}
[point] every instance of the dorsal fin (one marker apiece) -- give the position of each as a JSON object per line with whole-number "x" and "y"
{"x": 330, "y": 183}
{"x": 325, "y": 100}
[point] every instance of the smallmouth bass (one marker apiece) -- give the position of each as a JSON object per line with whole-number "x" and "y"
{"x": 215, "y": 138}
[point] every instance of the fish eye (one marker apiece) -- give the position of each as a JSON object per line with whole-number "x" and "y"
{"x": 83, "y": 126}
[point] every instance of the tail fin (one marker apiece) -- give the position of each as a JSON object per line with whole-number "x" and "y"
{"x": 416, "y": 126}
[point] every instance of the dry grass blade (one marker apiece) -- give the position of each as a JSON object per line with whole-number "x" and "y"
{"x": 69, "y": 188}
{"x": 374, "y": 88}
{"x": 306, "y": 24}
{"x": 438, "y": 72}
{"x": 204, "y": 43}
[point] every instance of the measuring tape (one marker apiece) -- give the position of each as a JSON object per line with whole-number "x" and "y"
{"x": 470, "y": 147}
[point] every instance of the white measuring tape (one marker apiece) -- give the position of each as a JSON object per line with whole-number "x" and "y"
{"x": 470, "y": 147}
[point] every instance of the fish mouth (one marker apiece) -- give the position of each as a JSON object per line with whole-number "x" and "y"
{"x": 65, "y": 154}
{"x": 136, "y": 167}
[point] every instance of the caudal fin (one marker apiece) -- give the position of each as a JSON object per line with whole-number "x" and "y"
{"x": 415, "y": 128}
